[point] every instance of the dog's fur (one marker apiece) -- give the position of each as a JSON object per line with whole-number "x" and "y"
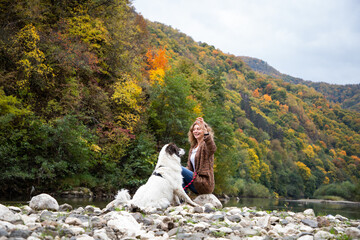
{"x": 164, "y": 187}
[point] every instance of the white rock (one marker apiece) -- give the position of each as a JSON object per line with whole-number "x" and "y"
{"x": 260, "y": 214}
{"x": 321, "y": 235}
{"x": 225, "y": 230}
{"x": 341, "y": 218}
{"x": 201, "y": 226}
{"x": 208, "y": 198}
{"x": 306, "y": 237}
{"x": 21, "y": 227}
{"x": 299, "y": 216}
{"x": 273, "y": 234}
{"x": 44, "y": 201}
{"x": 291, "y": 214}
{"x": 7, "y": 215}
{"x": 235, "y": 211}
{"x": 148, "y": 236}
{"x": 279, "y": 229}
{"x": 309, "y": 212}
{"x": 76, "y": 230}
{"x": 15, "y": 209}
{"x": 353, "y": 232}
{"x": 73, "y": 221}
{"x": 274, "y": 219}
{"x": 339, "y": 229}
{"x": 255, "y": 238}
{"x": 84, "y": 237}
{"x": 6, "y": 225}
{"x": 29, "y": 219}
{"x": 101, "y": 234}
{"x": 304, "y": 228}
{"x": 263, "y": 222}
{"x": 125, "y": 223}
{"x": 33, "y": 238}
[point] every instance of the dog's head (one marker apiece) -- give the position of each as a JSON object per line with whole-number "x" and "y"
{"x": 170, "y": 156}
{"x": 171, "y": 149}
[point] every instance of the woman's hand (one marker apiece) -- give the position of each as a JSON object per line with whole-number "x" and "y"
{"x": 201, "y": 123}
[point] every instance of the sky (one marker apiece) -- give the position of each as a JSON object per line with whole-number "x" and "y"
{"x": 316, "y": 40}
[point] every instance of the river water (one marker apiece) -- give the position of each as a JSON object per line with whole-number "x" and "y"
{"x": 351, "y": 211}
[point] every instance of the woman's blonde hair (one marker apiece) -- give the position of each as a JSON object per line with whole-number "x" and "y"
{"x": 192, "y": 139}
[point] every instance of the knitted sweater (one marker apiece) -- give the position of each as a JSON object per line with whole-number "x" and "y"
{"x": 204, "y": 164}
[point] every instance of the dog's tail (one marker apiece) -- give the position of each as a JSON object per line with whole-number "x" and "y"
{"x": 123, "y": 196}
{"x": 121, "y": 199}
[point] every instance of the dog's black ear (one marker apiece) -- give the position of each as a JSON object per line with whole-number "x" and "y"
{"x": 171, "y": 149}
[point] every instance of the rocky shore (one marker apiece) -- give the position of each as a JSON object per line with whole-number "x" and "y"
{"x": 43, "y": 218}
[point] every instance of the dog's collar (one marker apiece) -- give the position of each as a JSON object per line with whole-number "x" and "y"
{"x": 157, "y": 174}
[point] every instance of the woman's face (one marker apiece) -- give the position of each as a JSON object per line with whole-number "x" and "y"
{"x": 198, "y": 132}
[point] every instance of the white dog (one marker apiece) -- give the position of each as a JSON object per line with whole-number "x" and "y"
{"x": 164, "y": 187}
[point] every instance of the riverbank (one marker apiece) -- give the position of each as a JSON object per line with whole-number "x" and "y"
{"x": 324, "y": 201}
{"x": 180, "y": 222}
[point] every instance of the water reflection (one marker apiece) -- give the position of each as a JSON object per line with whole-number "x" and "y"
{"x": 320, "y": 208}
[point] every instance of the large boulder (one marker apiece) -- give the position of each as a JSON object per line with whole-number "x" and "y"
{"x": 44, "y": 201}
{"x": 208, "y": 198}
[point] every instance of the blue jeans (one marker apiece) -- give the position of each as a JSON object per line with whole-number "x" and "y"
{"x": 187, "y": 177}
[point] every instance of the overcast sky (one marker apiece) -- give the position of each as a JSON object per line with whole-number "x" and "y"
{"x": 316, "y": 40}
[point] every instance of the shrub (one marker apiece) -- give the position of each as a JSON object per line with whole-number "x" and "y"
{"x": 346, "y": 190}
{"x": 253, "y": 190}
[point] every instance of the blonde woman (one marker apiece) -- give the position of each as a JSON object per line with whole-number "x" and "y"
{"x": 198, "y": 176}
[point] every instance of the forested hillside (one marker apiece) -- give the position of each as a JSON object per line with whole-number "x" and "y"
{"x": 348, "y": 96}
{"x": 90, "y": 90}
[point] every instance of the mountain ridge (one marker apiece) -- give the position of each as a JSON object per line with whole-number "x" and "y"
{"x": 347, "y": 95}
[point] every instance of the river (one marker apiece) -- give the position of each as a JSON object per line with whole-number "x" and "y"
{"x": 351, "y": 211}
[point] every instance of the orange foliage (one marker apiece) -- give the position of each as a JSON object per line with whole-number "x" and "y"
{"x": 158, "y": 63}
{"x": 267, "y": 98}
{"x": 342, "y": 152}
{"x": 284, "y": 108}
{"x": 356, "y": 160}
{"x": 157, "y": 59}
{"x": 256, "y": 93}
{"x": 323, "y": 144}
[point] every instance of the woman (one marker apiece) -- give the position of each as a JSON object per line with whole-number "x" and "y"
{"x": 199, "y": 173}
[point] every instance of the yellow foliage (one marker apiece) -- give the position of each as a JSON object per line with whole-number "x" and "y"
{"x": 304, "y": 171}
{"x": 317, "y": 148}
{"x": 326, "y": 180}
{"x": 332, "y": 152}
{"x": 157, "y": 76}
{"x": 309, "y": 152}
{"x": 95, "y": 148}
{"x": 32, "y": 59}
{"x": 127, "y": 96}
{"x": 90, "y": 30}
{"x": 254, "y": 167}
{"x": 265, "y": 171}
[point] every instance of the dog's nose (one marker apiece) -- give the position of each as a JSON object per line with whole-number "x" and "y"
{"x": 181, "y": 152}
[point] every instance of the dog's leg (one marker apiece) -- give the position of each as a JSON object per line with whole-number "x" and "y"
{"x": 182, "y": 194}
{"x": 176, "y": 200}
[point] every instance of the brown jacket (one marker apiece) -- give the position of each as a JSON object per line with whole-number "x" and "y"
{"x": 204, "y": 164}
